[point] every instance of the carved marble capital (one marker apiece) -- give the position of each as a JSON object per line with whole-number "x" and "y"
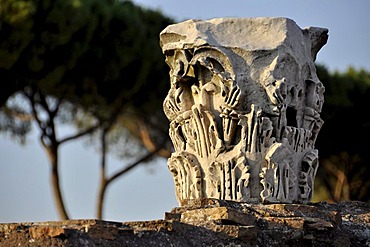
{"x": 244, "y": 108}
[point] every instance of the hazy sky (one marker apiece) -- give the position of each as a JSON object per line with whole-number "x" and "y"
{"x": 147, "y": 192}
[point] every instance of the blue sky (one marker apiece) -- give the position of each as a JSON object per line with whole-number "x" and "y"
{"x": 148, "y": 191}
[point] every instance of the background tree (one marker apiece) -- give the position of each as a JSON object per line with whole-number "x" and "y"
{"x": 95, "y": 64}
{"x": 343, "y": 141}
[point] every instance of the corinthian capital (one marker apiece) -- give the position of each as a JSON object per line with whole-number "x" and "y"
{"x": 244, "y": 107}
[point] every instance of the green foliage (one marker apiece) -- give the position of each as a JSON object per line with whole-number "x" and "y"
{"x": 15, "y": 121}
{"x": 344, "y": 139}
{"x": 15, "y": 30}
{"x": 124, "y": 65}
{"x": 100, "y": 55}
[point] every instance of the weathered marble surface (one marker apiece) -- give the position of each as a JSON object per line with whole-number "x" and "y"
{"x": 244, "y": 108}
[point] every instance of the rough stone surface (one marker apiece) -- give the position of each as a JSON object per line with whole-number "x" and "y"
{"x": 210, "y": 222}
{"x": 244, "y": 108}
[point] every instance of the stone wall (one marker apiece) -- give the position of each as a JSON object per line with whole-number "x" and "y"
{"x": 209, "y": 222}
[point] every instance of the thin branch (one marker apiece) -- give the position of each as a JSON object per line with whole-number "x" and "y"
{"x": 148, "y": 142}
{"x": 50, "y": 130}
{"x": 56, "y": 109}
{"x": 44, "y": 134}
{"x": 133, "y": 165}
{"x": 104, "y": 152}
{"x": 338, "y": 190}
{"x": 45, "y": 105}
{"x": 34, "y": 111}
{"x": 151, "y": 124}
{"x": 82, "y": 133}
{"x": 327, "y": 184}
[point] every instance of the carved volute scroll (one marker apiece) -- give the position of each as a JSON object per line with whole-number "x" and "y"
{"x": 244, "y": 108}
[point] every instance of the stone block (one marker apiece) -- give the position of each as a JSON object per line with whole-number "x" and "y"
{"x": 220, "y": 215}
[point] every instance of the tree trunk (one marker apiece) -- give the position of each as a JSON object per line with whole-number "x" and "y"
{"x": 55, "y": 184}
{"x": 105, "y": 181}
{"x": 103, "y": 178}
{"x": 101, "y": 197}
